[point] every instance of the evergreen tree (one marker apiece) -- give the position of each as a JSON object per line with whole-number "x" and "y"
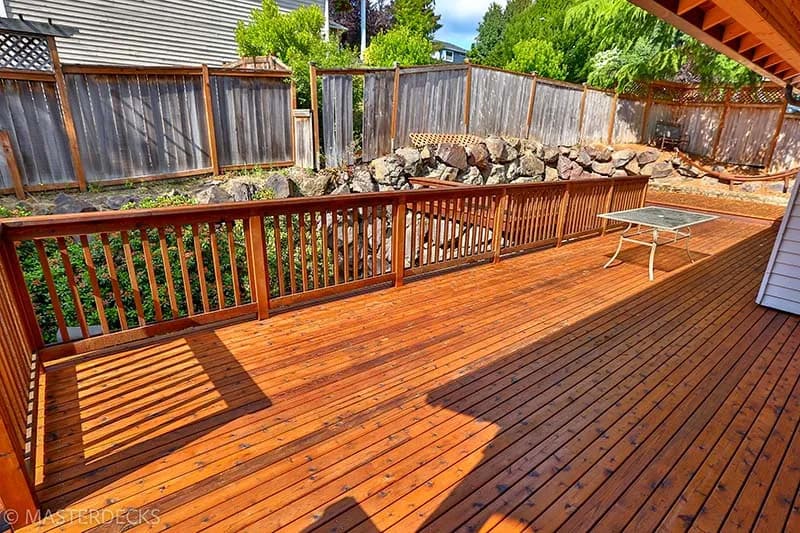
{"x": 490, "y": 33}
{"x": 417, "y": 15}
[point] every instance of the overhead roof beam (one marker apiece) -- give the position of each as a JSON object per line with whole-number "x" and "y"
{"x": 684, "y": 6}
{"x": 714, "y": 17}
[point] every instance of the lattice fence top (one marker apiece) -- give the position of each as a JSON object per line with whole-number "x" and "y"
{"x": 758, "y": 95}
{"x": 24, "y": 52}
{"x": 424, "y": 139}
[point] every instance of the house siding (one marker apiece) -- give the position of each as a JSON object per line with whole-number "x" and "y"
{"x": 147, "y": 32}
{"x": 780, "y": 288}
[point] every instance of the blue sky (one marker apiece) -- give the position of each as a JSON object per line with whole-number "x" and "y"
{"x": 460, "y": 19}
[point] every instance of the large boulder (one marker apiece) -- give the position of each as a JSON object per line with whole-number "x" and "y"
{"x": 648, "y": 156}
{"x": 452, "y": 155}
{"x": 412, "y": 160}
{"x": 530, "y": 165}
{"x": 661, "y": 169}
{"x": 568, "y": 169}
{"x": 550, "y": 174}
{"x": 499, "y": 150}
{"x": 388, "y": 169}
{"x": 281, "y": 186}
{"x": 309, "y": 183}
{"x": 241, "y": 190}
{"x": 427, "y": 156}
{"x": 497, "y": 175}
{"x": 620, "y": 158}
{"x": 528, "y": 179}
{"x": 584, "y": 158}
{"x": 472, "y": 176}
{"x": 64, "y": 204}
{"x": 529, "y": 145}
{"x": 632, "y": 167}
{"x": 362, "y": 181}
{"x": 550, "y": 155}
{"x": 599, "y": 152}
{"x": 603, "y": 168}
{"x": 118, "y": 201}
{"x": 478, "y": 156}
{"x": 213, "y": 194}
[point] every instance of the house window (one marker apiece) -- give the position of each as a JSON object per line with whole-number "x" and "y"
{"x": 447, "y": 56}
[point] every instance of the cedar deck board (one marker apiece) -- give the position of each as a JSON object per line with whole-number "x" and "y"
{"x": 431, "y": 404}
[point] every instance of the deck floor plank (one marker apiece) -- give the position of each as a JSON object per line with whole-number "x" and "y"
{"x": 542, "y": 392}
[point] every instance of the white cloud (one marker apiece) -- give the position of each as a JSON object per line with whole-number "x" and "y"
{"x": 460, "y": 19}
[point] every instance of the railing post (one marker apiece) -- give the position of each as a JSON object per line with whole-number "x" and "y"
{"x": 259, "y": 275}
{"x": 497, "y": 230}
{"x": 210, "y": 128}
{"x": 562, "y": 216}
{"x": 16, "y": 490}
{"x": 607, "y": 206}
{"x": 10, "y": 263}
{"x": 399, "y": 242}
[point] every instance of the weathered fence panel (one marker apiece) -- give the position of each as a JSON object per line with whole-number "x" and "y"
{"x": 377, "y": 118}
{"x": 303, "y": 139}
{"x": 556, "y": 114}
{"x": 596, "y": 116}
{"x": 30, "y": 113}
{"x": 252, "y": 120}
{"x": 628, "y": 121}
{"x": 337, "y": 123}
{"x": 499, "y": 103}
{"x": 699, "y": 123}
{"x": 137, "y": 126}
{"x": 431, "y": 101}
{"x": 747, "y": 134}
{"x": 787, "y": 153}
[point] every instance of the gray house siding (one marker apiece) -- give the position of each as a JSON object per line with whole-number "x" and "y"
{"x": 147, "y": 32}
{"x": 780, "y": 288}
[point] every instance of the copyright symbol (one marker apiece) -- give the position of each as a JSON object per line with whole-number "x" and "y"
{"x": 11, "y": 516}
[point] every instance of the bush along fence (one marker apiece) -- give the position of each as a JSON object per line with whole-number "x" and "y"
{"x": 93, "y": 280}
{"x": 82, "y": 125}
{"x": 747, "y": 126}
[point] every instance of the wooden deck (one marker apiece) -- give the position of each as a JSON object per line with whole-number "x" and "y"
{"x": 542, "y": 392}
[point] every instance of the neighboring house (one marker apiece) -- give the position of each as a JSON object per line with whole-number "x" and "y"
{"x": 147, "y": 32}
{"x": 448, "y": 52}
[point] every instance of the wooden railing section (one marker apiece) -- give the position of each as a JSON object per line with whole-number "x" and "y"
{"x": 100, "y": 279}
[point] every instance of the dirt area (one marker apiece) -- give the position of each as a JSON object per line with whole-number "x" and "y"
{"x": 724, "y": 205}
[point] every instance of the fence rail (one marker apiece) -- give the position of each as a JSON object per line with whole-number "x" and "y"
{"x": 99, "y": 279}
{"x": 748, "y": 126}
{"x": 82, "y": 125}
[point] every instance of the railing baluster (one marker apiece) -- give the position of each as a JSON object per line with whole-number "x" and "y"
{"x": 301, "y": 228}
{"x": 201, "y": 268}
{"x": 277, "y": 236}
{"x": 187, "y": 284}
{"x": 218, "y": 281}
{"x": 73, "y": 286}
{"x": 290, "y": 249}
{"x": 325, "y": 254}
{"x": 237, "y": 296}
{"x": 134, "y": 281}
{"x": 51, "y": 288}
{"x": 91, "y": 271}
{"x": 112, "y": 274}
{"x": 335, "y": 245}
{"x": 173, "y": 299}
{"x": 314, "y": 247}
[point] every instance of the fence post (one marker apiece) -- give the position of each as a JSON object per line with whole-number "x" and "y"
{"x": 613, "y": 116}
{"x": 11, "y": 163}
{"x": 66, "y": 114}
{"x": 497, "y": 231}
{"x": 259, "y": 273}
{"x": 395, "y": 103}
{"x": 721, "y": 126}
{"x": 467, "y": 96}
{"x": 399, "y": 241}
{"x": 531, "y": 101}
{"x": 292, "y": 132}
{"x": 774, "y": 142}
{"x": 212, "y": 133}
{"x": 312, "y": 80}
{"x": 646, "y": 114}
{"x": 562, "y": 216}
{"x": 580, "y": 116}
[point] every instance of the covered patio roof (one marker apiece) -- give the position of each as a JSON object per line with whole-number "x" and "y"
{"x": 762, "y": 34}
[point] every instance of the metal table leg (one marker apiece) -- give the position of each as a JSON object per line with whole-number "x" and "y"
{"x": 619, "y": 247}
{"x": 653, "y": 247}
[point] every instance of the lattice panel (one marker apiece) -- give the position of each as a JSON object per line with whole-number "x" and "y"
{"x": 758, "y": 95}
{"x": 424, "y": 139}
{"x": 24, "y": 52}
{"x": 702, "y": 95}
{"x": 636, "y": 89}
{"x": 667, "y": 93}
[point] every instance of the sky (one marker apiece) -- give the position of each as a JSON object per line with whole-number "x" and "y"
{"x": 460, "y": 19}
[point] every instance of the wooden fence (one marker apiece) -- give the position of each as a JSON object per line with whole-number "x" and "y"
{"x": 749, "y": 126}
{"x": 81, "y": 124}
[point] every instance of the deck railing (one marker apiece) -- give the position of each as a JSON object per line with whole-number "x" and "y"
{"x": 75, "y": 283}
{"x": 100, "y": 279}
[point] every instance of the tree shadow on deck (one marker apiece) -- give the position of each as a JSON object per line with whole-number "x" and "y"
{"x": 156, "y": 403}
{"x": 507, "y": 393}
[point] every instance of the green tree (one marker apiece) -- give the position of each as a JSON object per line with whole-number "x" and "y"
{"x": 296, "y": 38}
{"x": 400, "y": 45}
{"x": 537, "y": 55}
{"x": 490, "y": 33}
{"x": 417, "y": 15}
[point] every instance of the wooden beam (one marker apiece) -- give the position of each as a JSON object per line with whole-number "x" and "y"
{"x": 613, "y": 117}
{"x": 255, "y": 235}
{"x": 747, "y": 43}
{"x": 11, "y": 163}
{"x": 467, "y": 96}
{"x": 684, "y": 6}
{"x": 581, "y": 111}
{"x": 210, "y": 127}
{"x": 762, "y": 51}
{"x": 395, "y": 103}
{"x": 714, "y": 17}
{"x": 771, "y": 61}
{"x": 66, "y": 114}
{"x": 531, "y": 102}
{"x": 733, "y": 31}
{"x": 782, "y": 67}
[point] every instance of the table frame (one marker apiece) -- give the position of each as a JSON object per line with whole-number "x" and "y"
{"x": 626, "y": 236}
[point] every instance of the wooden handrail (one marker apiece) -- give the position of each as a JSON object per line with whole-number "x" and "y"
{"x": 279, "y": 252}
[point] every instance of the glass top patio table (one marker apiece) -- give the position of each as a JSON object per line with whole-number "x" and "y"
{"x": 663, "y": 218}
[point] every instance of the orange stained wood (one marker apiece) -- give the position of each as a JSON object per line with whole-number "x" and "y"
{"x": 540, "y": 392}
